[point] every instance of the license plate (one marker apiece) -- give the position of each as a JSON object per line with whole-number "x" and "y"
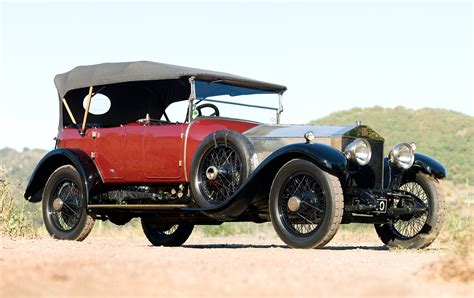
{"x": 382, "y": 205}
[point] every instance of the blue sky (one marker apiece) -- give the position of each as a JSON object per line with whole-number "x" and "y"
{"x": 332, "y": 55}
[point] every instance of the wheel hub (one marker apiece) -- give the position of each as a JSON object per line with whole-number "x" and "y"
{"x": 58, "y": 204}
{"x": 220, "y": 174}
{"x": 211, "y": 173}
{"x": 294, "y": 204}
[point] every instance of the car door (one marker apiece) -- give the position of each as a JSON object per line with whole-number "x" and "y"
{"x": 163, "y": 151}
{"x": 109, "y": 153}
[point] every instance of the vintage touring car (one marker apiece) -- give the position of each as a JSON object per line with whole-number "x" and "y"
{"x": 119, "y": 155}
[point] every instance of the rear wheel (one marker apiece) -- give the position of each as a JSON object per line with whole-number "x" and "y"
{"x": 64, "y": 207}
{"x": 166, "y": 234}
{"x": 119, "y": 218}
{"x": 419, "y": 230}
{"x": 306, "y": 205}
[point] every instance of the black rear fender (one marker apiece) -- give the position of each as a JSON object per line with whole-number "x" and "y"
{"x": 55, "y": 159}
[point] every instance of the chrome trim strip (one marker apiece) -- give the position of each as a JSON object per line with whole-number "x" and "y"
{"x": 192, "y": 97}
{"x": 241, "y": 104}
{"x": 185, "y": 154}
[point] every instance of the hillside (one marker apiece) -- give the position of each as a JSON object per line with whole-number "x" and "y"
{"x": 445, "y": 135}
{"x": 19, "y": 165}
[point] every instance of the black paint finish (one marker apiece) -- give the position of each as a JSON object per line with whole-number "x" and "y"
{"x": 430, "y": 166}
{"x": 55, "y": 159}
{"x": 257, "y": 185}
{"x": 372, "y": 174}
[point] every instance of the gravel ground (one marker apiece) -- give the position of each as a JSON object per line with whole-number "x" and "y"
{"x": 228, "y": 266}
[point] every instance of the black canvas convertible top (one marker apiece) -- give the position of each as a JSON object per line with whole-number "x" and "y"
{"x": 136, "y": 89}
{"x": 112, "y": 73}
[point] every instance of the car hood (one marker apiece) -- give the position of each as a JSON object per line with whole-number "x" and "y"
{"x": 269, "y": 138}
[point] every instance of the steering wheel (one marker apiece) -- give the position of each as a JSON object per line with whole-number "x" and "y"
{"x": 208, "y": 105}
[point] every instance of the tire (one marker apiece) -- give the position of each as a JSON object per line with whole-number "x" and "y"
{"x": 64, "y": 205}
{"x": 321, "y": 203}
{"x": 166, "y": 234}
{"x": 426, "y": 227}
{"x": 215, "y": 178}
{"x": 119, "y": 218}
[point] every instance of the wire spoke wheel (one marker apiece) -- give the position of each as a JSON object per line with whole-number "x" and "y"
{"x": 221, "y": 163}
{"x": 164, "y": 234}
{"x": 420, "y": 228}
{"x": 220, "y": 173}
{"x": 166, "y": 230}
{"x": 306, "y": 192}
{"x": 305, "y": 204}
{"x": 65, "y": 205}
{"x": 412, "y": 225}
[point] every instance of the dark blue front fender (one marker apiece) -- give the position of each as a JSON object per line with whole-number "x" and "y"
{"x": 429, "y": 166}
{"x": 257, "y": 185}
{"x": 326, "y": 157}
{"x": 423, "y": 163}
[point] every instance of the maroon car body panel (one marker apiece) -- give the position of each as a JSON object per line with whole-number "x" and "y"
{"x": 137, "y": 153}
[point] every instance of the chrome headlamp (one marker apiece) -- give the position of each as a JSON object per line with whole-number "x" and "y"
{"x": 309, "y": 136}
{"x": 359, "y": 151}
{"x": 403, "y": 155}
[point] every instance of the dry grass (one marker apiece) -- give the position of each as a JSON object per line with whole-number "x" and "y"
{"x": 458, "y": 265}
{"x": 15, "y": 221}
{"x": 459, "y": 213}
{"x": 457, "y": 235}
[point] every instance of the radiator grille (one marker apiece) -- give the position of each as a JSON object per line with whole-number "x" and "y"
{"x": 370, "y": 175}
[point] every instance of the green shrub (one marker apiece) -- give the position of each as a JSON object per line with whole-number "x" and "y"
{"x": 234, "y": 228}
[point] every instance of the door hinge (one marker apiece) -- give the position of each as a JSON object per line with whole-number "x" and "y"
{"x": 93, "y": 154}
{"x": 180, "y": 163}
{"x": 182, "y": 135}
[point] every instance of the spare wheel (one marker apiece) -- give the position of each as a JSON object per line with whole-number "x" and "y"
{"x": 221, "y": 163}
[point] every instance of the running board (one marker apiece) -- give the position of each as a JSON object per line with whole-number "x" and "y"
{"x": 137, "y": 206}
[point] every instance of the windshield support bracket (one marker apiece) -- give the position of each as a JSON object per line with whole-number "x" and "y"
{"x": 192, "y": 97}
{"x": 280, "y": 107}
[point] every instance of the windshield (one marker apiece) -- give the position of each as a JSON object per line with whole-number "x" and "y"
{"x": 237, "y": 101}
{"x": 216, "y": 88}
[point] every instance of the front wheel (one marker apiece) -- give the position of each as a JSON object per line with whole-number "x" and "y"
{"x": 419, "y": 230}
{"x": 166, "y": 234}
{"x": 64, "y": 207}
{"x": 306, "y": 204}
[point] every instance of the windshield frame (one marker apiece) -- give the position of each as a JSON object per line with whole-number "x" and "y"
{"x": 192, "y": 98}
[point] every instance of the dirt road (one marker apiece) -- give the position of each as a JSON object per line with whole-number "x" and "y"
{"x": 233, "y": 266}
